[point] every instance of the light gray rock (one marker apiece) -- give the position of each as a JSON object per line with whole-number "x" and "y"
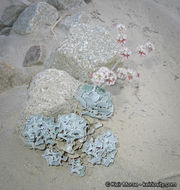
{"x": 35, "y": 56}
{"x": 11, "y": 13}
{"x": 5, "y": 31}
{"x": 51, "y": 92}
{"x": 11, "y": 76}
{"x": 66, "y": 4}
{"x": 87, "y": 48}
{"x": 68, "y": 21}
{"x": 1, "y": 25}
{"x": 21, "y": 2}
{"x": 35, "y": 17}
{"x": 87, "y": 1}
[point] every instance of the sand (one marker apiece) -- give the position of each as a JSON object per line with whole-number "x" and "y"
{"x": 146, "y": 120}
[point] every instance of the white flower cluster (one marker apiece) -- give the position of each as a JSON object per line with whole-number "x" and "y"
{"x": 106, "y": 75}
{"x": 122, "y": 38}
{"x": 129, "y": 74}
{"x": 143, "y": 50}
{"x": 125, "y": 52}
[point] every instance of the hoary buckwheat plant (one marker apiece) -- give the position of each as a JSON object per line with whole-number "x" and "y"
{"x": 68, "y": 138}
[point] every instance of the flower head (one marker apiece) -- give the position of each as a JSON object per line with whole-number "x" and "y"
{"x": 111, "y": 80}
{"x": 98, "y": 78}
{"x": 104, "y": 75}
{"x": 129, "y": 74}
{"x": 121, "y": 28}
{"x": 122, "y": 73}
{"x": 122, "y": 38}
{"x": 149, "y": 46}
{"x": 125, "y": 52}
{"x": 141, "y": 50}
{"x": 105, "y": 71}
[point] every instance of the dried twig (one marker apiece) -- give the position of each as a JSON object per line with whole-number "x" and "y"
{"x": 95, "y": 14}
{"x": 52, "y": 29}
{"x": 58, "y": 21}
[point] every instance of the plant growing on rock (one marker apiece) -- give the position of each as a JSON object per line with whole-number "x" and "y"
{"x": 69, "y": 137}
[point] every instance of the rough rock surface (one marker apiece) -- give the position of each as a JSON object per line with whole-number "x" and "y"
{"x": 11, "y": 13}
{"x": 1, "y": 25}
{"x": 35, "y": 56}
{"x": 51, "y": 92}
{"x": 5, "y": 31}
{"x": 75, "y": 18}
{"x": 87, "y": 1}
{"x": 35, "y": 17}
{"x": 87, "y": 48}
{"x": 66, "y": 4}
{"x": 22, "y": 2}
{"x": 11, "y": 76}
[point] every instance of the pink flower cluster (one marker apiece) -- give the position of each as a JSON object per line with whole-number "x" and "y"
{"x": 129, "y": 74}
{"x": 105, "y": 75}
{"x": 121, "y": 36}
{"x": 125, "y": 52}
{"x": 143, "y": 50}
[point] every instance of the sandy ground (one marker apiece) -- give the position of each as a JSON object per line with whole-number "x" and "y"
{"x": 146, "y": 121}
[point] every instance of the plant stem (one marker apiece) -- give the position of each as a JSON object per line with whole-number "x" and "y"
{"x": 115, "y": 65}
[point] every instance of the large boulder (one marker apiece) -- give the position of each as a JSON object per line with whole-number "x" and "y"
{"x": 66, "y": 4}
{"x": 51, "y": 92}
{"x": 11, "y": 76}
{"x": 35, "y": 17}
{"x": 11, "y": 13}
{"x": 75, "y": 18}
{"x": 87, "y": 48}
